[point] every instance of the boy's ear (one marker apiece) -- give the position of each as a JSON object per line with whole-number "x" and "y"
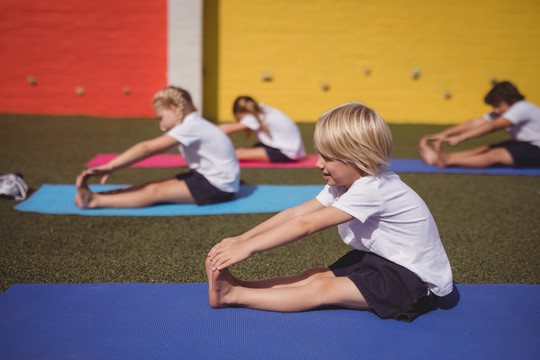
{"x": 175, "y": 109}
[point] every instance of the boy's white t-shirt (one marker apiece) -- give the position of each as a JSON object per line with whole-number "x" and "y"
{"x": 525, "y": 119}
{"x": 208, "y": 151}
{"x": 285, "y": 135}
{"x": 392, "y": 221}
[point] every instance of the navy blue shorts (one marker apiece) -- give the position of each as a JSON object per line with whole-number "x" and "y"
{"x": 391, "y": 291}
{"x": 275, "y": 155}
{"x": 524, "y": 154}
{"x": 202, "y": 191}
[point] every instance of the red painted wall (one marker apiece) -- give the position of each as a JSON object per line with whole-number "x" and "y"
{"x": 103, "y": 46}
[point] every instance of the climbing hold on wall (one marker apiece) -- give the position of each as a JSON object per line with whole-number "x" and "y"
{"x": 126, "y": 90}
{"x": 416, "y": 74}
{"x": 267, "y": 77}
{"x": 324, "y": 86}
{"x": 367, "y": 71}
{"x": 448, "y": 95}
{"x": 79, "y": 90}
{"x": 32, "y": 80}
{"x": 494, "y": 81}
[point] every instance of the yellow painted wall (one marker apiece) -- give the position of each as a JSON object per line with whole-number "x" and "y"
{"x": 458, "y": 47}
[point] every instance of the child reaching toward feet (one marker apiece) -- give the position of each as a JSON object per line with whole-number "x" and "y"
{"x": 398, "y": 266}
{"x": 209, "y": 153}
{"x": 511, "y": 113}
{"x": 280, "y": 139}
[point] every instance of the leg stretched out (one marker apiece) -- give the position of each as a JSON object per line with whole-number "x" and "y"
{"x": 252, "y": 154}
{"x": 313, "y": 289}
{"x": 169, "y": 190}
{"x": 288, "y": 281}
{"x": 478, "y": 158}
{"x": 481, "y": 157}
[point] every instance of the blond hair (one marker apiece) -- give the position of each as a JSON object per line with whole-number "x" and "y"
{"x": 177, "y": 97}
{"x": 247, "y": 105}
{"x": 354, "y": 134}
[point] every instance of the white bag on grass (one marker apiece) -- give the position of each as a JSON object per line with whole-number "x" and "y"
{"x": 13, "y": 186}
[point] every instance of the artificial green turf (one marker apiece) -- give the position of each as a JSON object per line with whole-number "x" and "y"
{"x": 488, "y": 224}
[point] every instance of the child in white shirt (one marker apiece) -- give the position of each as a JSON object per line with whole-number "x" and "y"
{"x": 280, "y": 138}
{"x": 214, "y": 175}
{"x": 520, "y": 118}
{"x": 398, "y": 267}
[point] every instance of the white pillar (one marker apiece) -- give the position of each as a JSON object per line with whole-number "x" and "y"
{"x": 184, "y": 47}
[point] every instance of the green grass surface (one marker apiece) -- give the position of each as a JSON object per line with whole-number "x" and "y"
{"x": 488, "y": 224}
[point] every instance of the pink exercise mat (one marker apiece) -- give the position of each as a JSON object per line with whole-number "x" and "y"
{"x": 175, "y": 160}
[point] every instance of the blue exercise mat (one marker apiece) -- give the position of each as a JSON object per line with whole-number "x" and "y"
{"x": 174, "y": 321}
{"x": 58, "y": 199}
{"x": 419, "y": 166}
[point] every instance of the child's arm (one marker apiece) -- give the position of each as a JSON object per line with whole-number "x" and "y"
{"x": 230, "y": 128}
{"x": 278, "y": 219}
{"x": 135, "y": 153}
{"x": 295, "y": 228}
{"x": 476, "y": 131}
{"x": 438, "y": 138}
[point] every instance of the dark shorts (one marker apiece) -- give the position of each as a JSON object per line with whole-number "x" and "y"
{"x": 524, "y": 154}
{"x": 202, "y": 191}
{"x": 391, "y": 291}
{"x": 274, "y": 155}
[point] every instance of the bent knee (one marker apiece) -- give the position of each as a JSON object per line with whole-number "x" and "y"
{"x": 501, "y": 155}
{"x": 338, "y": 291}
{"x": 166, "y": 191}
{"x": 242, "y": 152}
{"x": 321, "y": 285}
{"x": 254, "y": 153}
{"x": 241, "y": 149}
{"x": 152, "y": 190}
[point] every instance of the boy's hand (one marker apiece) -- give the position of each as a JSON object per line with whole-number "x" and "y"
{"x": 453, "y": 140}
{"x": 229, "y": 240}
{"x": 228, "y": 252}
{"x": 435, "y": 139}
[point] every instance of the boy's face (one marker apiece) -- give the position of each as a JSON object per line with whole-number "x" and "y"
{"x": 501, "y": 108}
{"x": 167, "y": 117}
{"x": 338, "y": 173}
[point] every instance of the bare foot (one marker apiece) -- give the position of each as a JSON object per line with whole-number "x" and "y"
{"x": 220, "y": 285}
{"x": 84, "y": 195}
{"x": 442, "y": 161}
{"x": 430, "y": 156}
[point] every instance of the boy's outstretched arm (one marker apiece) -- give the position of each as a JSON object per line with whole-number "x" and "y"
{"x": 281, "y": 217}
{"x": 438, "y": 138}
{"x": 226, "y": 253}
{"x": 308, "y": 207}
{"x": 482, "y": 129}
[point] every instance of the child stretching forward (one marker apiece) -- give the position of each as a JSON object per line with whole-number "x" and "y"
{"x": 398, "y": 266}
{"x": 209, "y": 153}
{"x": 520, "y": 118}
{"x": 280, "y": 139}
